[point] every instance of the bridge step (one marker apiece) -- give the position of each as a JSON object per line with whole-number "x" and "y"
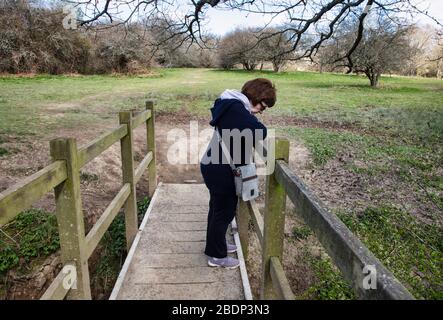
{"x": 167, "y": 259}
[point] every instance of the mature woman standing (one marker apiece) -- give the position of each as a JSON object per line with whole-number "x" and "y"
{"x": 232, "y": 110}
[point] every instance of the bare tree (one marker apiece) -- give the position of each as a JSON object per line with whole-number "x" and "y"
{"x": 121, "y": 49}
{"x": 421, "y": 45}
{"x": 314, "y": 19}
{"x": 436, "y": 55}
{"x": 171, "y": 50}
{"x": 385, "y": 47}
{"x": 238, "y": 47}
{"x": 274, "y": 48}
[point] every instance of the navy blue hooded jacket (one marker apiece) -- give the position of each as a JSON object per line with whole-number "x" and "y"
{"x": 228, "y": 114}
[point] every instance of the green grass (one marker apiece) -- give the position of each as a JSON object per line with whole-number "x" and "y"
{"x": 410, "y": 248}
{"x": 33, "y": 234}
{"x": 88, "y": 177}
{"x": 301, "y": 233}
{"x": 3, "y": 151}
{"x": 405, "y": 104}
{"x": 329, "y": 284}
{"x": 25, "y": 242}
{"x": 325, "y": 144}
{"x": 412, "y": 251}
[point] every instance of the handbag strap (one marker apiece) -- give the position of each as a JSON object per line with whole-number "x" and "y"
{"x": 225, "y": 149}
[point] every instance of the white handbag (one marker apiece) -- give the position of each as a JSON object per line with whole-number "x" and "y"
{"x": 245, "y": 177}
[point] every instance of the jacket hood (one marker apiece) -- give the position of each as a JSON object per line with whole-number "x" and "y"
{"x": 226, "y": 100}
{"x": 219, "y": 109}
{"x": 235, "y": 94}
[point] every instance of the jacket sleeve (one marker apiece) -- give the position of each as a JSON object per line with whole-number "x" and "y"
{"x": 246, "y": 120}
{"x": 240, "y": 118}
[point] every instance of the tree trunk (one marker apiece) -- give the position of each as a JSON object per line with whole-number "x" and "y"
{"x": 374, "y": 78}
{"x": 439, "y": 67}
{"x": 276, "y": 67}
{"x": 249, "y": 66}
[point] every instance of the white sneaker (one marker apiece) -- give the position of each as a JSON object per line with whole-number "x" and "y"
{"x": 228, "y": 262}
{"x": 231, "y": 247}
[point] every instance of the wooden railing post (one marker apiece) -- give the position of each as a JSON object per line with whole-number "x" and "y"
{"x": 152, "y": 172}
{"x": 127, "y": 154}
{"x": 70, "y": 216}
{"x": 274, "y": 221}
{"x": 243, "y": 225}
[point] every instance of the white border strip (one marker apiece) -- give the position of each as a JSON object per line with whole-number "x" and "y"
{"x": 243, "y": 271}
{"x": 122, "y": 275}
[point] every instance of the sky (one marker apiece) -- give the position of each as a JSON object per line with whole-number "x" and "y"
{"x": 220, "y": 22}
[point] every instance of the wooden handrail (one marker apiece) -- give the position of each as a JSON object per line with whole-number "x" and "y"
{"x": 101, "y": 226}
{"x": 346, "y": 250}
{"x": 91, "y": 150}
{"x": 69, "y": 213}
{"x": 273, "y": 222}
{"x": 257, "y": 220}
{"x": 128, "y": 172}
{"x": 63, "y": 175}
{"x": 141, "y": 118}
{"x": 150, "y": 143}
{"x": 269, "y": 230}
{"x": 143, "y": 165}
{"x": 279, "y": 280}
{"x": 24, "y": 193}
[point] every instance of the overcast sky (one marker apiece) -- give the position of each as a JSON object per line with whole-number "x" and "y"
{"x": 221, "y": 22}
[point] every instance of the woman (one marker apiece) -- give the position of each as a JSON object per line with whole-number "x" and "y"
{"x": 233, "y": 110}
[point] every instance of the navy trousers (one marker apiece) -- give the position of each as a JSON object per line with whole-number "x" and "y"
{"x": 222, "y": 208}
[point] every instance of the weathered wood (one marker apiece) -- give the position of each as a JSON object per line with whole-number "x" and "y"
{"x": 346, "y": 250}
{"x": 274, "y": 222}
{"x": 257, "y": 220}
{"x": 243, "y": 218}
{"x": 142, "y": 166}
{"x": 23, "y": 194}
{"x": 96, "y": 234}
{"x": 279, "y": 280}
{"x": 127, "y": 154}
{"x": 152, "y": 170}
{"x": 70, "y": 216}
{"x": 94, "y": 148}
{"x": 63, "y": 176}
{"x": 141, "y": 118}
{"x": 162, "y": 266}
{"x": 57, "y": 289}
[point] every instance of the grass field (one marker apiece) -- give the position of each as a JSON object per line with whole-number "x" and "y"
{"x": 374, "y": 155}
{"x": 401, "y": 104}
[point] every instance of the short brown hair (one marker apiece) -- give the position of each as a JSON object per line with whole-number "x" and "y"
{"x": 259, "y": 90}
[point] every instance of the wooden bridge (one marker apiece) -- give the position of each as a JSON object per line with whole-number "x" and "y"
{"x": 167, "y": 260}
{"x": 165, "y": 253}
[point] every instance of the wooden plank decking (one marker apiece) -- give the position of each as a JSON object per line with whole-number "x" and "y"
{"x": 167, "y": 261}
